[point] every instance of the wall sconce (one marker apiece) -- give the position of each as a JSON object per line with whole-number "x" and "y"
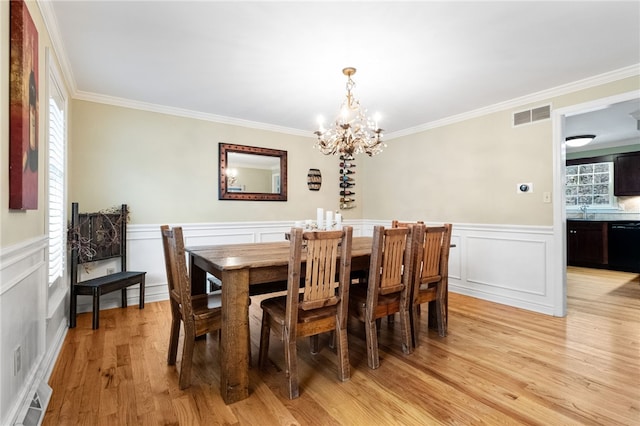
{"x": 232, "y": 176}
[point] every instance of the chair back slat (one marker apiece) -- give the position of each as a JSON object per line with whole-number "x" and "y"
{"x": 320, "y": 277}
{"x": 433, "y": 245}
{"x": 395, "y": 241}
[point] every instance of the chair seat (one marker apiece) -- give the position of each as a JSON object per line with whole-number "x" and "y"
{"x": 388, "y": 304}
{"x": 276, "y": 307}
{"x": 127, "y": 277}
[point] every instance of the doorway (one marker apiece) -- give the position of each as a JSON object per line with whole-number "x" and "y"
{"x": 559, "y": 172}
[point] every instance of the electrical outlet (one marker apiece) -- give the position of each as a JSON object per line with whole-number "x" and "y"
{"x": 110, "y": 271}
{"x": 17, "y": 360}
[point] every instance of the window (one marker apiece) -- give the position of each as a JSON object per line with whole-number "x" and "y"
{"x": 590, "y": 185}
{"x": 57, "y": 139}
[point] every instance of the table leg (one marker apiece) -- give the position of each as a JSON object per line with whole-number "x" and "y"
{"x": 234, "y": 351}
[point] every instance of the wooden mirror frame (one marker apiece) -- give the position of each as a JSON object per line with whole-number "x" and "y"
{"x": 224, "y": 194}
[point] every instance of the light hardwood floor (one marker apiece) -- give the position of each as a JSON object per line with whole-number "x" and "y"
{"x": 498, "y": 365}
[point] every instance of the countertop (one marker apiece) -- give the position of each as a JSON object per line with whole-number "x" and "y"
{"x": 605, "y": 217}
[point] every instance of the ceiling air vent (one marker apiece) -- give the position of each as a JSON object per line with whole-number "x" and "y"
{"x": 532, "y": 115}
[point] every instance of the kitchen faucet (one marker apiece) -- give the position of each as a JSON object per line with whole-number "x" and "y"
{"x": 584, "y": 208}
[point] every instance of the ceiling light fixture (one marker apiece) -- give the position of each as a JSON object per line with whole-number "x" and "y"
{"x": 353, "y": 132}
{"x": 579, "y": 140}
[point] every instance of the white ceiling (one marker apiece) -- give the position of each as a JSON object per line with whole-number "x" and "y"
{"x": 279, "y": 63}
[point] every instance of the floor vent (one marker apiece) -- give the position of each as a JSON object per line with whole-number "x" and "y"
{"x": 37, "y": 407}
{"x": 532, "y": 115}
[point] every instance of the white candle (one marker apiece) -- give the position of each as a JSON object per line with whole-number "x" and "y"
{"x": 320, "y": 214}
{"x": 329, "y": 219}
{"x": 338, "y": 221}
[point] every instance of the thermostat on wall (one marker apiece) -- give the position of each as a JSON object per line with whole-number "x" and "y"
{"x": 524, "y": 187}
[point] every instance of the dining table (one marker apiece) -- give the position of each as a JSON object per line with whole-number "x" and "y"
{"x": 243, "y": 268}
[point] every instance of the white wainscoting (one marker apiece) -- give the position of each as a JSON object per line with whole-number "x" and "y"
{"x": 23, "y": 308}
{"x": 502, "y": 263}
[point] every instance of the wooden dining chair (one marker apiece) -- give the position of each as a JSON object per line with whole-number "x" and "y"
{"x": 319, "y": 306}
{"x": 200, "y": 314}
{"x": 389, "y": 286}
{"x": 398, "y": 224}
{"x": 431, "y": 279}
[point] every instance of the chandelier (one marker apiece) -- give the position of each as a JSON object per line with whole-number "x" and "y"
{"x": 353, "y": 132}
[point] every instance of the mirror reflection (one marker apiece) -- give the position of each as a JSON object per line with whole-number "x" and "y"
{"x": 252, "y": 173}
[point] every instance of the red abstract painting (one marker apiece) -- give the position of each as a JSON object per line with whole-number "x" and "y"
{"x": 23, "y": 106}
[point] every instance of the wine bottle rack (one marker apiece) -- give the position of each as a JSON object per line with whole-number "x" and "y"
{"x": 347, "y": 182}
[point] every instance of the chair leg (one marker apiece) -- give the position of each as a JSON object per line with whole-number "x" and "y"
{"x": 314, "y": 343}
{"x": 174, "y": 335}
{"x": 141, "y": 303}
{"x": 96, "y": 309}
{"x": 405, "y": 330}
{"x": 248, "y": 346}
{"x": 344, "y": 368}
{"x": 441, "y": 321}
{"x": 371, "y": 332}
{"x": 187, "y": 355}
{"x": 73, "y": 306}
{"x": 291, "y": 365}
{"x": 414, "y": 318}
{"x": 265, "y": 331}
{"x": 441, "y": 315}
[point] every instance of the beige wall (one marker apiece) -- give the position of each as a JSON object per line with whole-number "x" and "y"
{"x": 165, "y": 168}
{"x": 467, "y": 172}
{"x": 254, "y": 180}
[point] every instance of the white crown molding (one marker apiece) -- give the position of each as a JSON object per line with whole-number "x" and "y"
{"x": 544, "y": 95}
{"x": 180, "y": 112}
{"x": 586, "y": 83}
{"x": 50, "y": 21}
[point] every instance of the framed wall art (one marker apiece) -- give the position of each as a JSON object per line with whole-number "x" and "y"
{"x": 23, "y": 109}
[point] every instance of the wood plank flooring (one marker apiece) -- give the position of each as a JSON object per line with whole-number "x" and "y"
{"x": 498, "y": 365}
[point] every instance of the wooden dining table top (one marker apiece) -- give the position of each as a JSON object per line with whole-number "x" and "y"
{"x": 262, "y": 255}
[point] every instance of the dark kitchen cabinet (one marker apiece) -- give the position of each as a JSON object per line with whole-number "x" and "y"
{"x": 587, "y": 243}
{"x": 627, "y": 174}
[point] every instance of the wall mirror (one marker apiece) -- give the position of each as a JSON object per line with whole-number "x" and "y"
{"x": 252, "y": 173}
